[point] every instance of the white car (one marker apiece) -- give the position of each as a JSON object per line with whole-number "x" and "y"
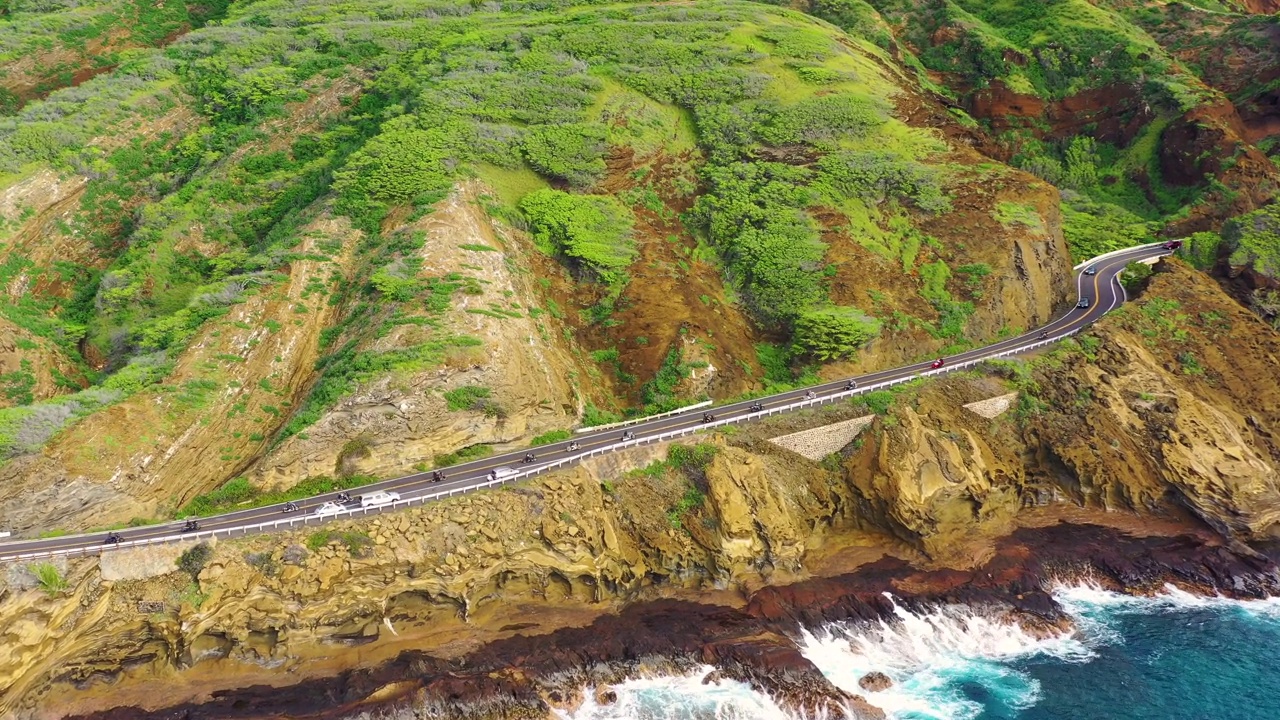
{"x": 504, "y": 472}
{"x": 327, "y": 509}
{"x": 379, "y": 498}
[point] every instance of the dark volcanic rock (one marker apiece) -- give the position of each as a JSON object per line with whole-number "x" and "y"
{"x": 509, "y": 678}
{"x": 875, "y": 682}
{"x": 605, "y": 696}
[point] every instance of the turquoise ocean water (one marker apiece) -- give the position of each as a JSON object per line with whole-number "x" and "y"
{"x": 1172, "y": 657}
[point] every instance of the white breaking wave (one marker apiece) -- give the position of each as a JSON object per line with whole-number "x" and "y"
{"x": 681, "y": 697}
{"x": 929, "y": 655}
{"x": 932, "y": 657}
{"x": 1086, "y": 598}
{"x": 1095, "y": 609}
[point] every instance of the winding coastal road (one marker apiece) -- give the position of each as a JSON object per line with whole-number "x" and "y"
{"x": 1100, "y": 287}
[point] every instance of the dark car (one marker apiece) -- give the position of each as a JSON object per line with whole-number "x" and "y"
{"x": 1173, "y": 245}
{"x": 1084, "y": 303}
{"x": 1091, "y": 270}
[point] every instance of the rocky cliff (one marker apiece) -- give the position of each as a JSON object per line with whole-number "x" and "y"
{"x": 189, "y": 247}
{"x": 1132, "y": 433}
{"x": 1164, "y": 408}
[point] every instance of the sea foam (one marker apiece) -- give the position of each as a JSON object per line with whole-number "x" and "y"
{"x": 931, "y": 654}
{"x": 947, "y": 662}
{"x": 681, "y": 697}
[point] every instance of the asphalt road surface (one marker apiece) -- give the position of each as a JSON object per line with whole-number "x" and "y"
{"x": 1098, "y": 283}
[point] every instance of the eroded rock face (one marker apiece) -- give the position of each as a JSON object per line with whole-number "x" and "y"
{"x": 1168, "y": 406}
{"x": 521, "y": 676}
{"x": 243, "y": 372}
{"x": 937, "y": 479}
{"x": 760, "y": 517}
{"x": 1161, "y": 418}
{"x": 156, "y": 446}
{"x": 571, "y": 543}
{"x": 404, "y": 418}
{"x": 1178, "y": 409}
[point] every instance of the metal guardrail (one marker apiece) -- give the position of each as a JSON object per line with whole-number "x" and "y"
{"x": 307, "y": 520}
{"x": 1113, "y": 253}
{"x": 646, "y": 418}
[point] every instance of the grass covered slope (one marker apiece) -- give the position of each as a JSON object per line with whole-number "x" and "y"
{"x": 310, "y": 224}
{"x": 1122, "y": 103}
{"x": 49, "y": 45}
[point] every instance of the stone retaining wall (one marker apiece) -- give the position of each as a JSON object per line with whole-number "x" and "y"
{"x": 820, "y": 442}
{"x": 992, "y": 407}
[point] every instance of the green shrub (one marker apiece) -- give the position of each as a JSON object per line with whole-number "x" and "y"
{"x": 775, "y": 360}
{"x": 398, "y": 280}
{"x": 1201, "y": 249}
{"x": 799, "y": 42}
{"x": 234, "y": 98}
{"x": 778, "y": 267}
{"x": 232, "y": 493}
{"x": 467, "y": 397}
{"x": 691, "y": 500}
{"x": 466, "y": 454}
{"x": 593, "y": 415}
{"x": 399, "y": 165}
{"x": 659, "y": 394}
{"x": 551, "y": 436}
{"x": 973, "y": 274}
{"x": 593, "y": 231}
{"x": 357, "y": 543}
{"x": 49, "y": 577}
{"x": 856, "y": 17}
{"x": 1253, "y": 240}
{"x": 1093, "y": 228}
{"x": 238, "y": 493}
{"x": 573, "y": 151}
{"x": 1011, "y": 214}
{"x": 1190, "y": 364}
{"x": 693, "y": 458}
{"x": 833, "y": 333}
{"x": 879, "y": 401}
{"x": 823, "y": 118}
{"x": 754, "y": 213}
{"x": 1135, "y": 275}
{"x": 607, "y": 355}
{"x": 193, "y": 559}
{"x": 263, "y": 562}
{"x": 880, "y": 175}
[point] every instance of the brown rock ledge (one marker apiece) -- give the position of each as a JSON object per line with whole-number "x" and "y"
{"x": 515, "y": 678}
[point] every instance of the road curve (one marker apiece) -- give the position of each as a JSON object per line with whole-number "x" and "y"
{"x": 1101, "y": 288}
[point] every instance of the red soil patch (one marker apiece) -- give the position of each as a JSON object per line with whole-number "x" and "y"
{"x": 672, "y": 297}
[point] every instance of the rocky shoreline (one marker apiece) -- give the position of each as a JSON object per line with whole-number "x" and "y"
{"x": 524, "y": 677}
{"x": 1118, "y": 466}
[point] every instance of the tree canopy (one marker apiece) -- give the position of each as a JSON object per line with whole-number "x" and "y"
{"x": 833, "y": 333}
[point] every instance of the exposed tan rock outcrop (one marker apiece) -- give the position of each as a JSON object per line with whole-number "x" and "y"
{"x": 1136, "y": 423}
{"x": 937, "y": 479}
{"x": 1180, "y": 402}
{"x": 523, "y": 361}
{"x": 1169, "y": 405}
{"x": 162, "y": 446}
{"x": 31, "y": 368}
{"x": 463, "y": 569}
